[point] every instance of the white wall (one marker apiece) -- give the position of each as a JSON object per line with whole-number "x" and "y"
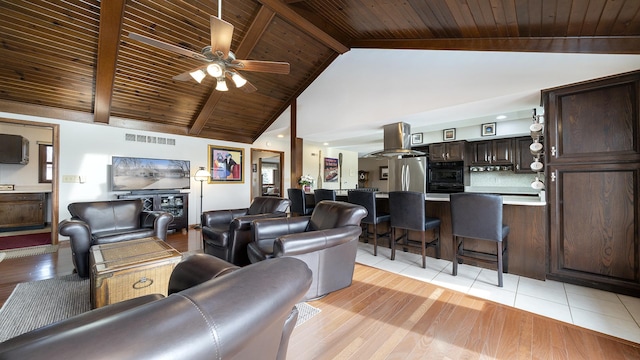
{"x": 86, "y": 150}
{"x": 313, "y": 155}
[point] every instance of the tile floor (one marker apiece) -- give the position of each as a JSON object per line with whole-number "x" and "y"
{"x": 605, "y": 312}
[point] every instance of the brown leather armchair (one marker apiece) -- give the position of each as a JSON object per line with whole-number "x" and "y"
{"x": 104, "y": 222}
{"x": 215, "y": 311}
{"x": 226, "y": 233}
{"x": 327, "y": 241}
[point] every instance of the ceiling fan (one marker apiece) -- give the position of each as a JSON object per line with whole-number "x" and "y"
{"x": 221, "y": 62}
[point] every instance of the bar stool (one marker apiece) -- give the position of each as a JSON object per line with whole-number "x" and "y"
{"x": 299, "y": 204}
{"x": 324, "y": 194}
{"x": 479, "y": 216}
{"x": 407, "y": 210}
{"x": 367, "y": 199}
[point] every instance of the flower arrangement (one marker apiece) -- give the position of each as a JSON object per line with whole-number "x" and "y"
{"x": 305, "y": 180}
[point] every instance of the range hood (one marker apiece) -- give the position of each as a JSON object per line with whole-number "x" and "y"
{"x": 397, "y": 141}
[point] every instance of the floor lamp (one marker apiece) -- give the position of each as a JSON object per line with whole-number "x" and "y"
{"x": 201, "y": 175}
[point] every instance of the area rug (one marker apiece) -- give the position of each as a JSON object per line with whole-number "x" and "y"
{"x": 35, "y": 304}
{"x": 30, "y": 251}
{"x": 26, "y": 240}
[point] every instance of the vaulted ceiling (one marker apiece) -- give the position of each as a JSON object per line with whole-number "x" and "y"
{"x": 74, "y": 60}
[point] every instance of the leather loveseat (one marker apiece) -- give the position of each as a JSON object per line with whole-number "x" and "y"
{"x": 103, "y": 222}
{"x": 327, "y": 241}
{"x": 226, "y": 233}
{"x": 242, "y": 313}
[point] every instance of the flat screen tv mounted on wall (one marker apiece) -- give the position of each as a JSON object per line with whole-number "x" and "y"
{"x": 143, "y": 174}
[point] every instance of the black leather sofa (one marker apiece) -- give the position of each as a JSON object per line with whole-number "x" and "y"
{"x": 327, "y": 241}
{"x": 215, "y": 310}
{"x": 104, "y": 222}
{"x": 226, "y": 233}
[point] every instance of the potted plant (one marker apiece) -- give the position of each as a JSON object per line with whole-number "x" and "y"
{"x": 306, "y": 181}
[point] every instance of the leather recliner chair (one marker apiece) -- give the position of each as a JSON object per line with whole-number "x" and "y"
{"x": 226, "y": 233}
{"x": 104, "y": 222}
{"x": 214, "y": 311}
{"x": 327, "y": 241}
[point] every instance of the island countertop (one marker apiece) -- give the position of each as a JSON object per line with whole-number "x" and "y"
{"x": 526, "y": 200}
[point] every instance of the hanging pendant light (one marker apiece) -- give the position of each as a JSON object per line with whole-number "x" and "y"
{"x": 221, "y": 85}
{"x": 198, "y": 75}
{"x": 215, "y": 70}
{"x": 238, "y": 79}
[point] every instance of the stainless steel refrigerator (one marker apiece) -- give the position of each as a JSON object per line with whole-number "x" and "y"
{"x": 408, "y": 174}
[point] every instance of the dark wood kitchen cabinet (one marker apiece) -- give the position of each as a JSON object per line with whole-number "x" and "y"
{"x": 447, "y": 151}
{"x": 523, "y": 158}
{"x": 592, "y": 175}
{"x": 22, "y": 211}
{"x": 492, "y": 152}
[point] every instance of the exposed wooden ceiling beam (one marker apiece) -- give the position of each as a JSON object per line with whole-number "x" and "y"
{"x": 591, "y": 44}
{"x": 287, "y": 13}
{"x": 253, "y": 35}
{"x": 111, "y": 16}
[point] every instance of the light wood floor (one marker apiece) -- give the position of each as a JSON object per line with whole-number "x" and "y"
{"x": 387, "y": 316}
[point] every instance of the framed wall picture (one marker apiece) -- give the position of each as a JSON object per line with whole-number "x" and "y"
{"x": 488, "y": 129}
{"x": 448, "y": 134}
{"x": 330, "y": 169}
{"x": 416, "y": 138}
{"x": 226, "y": 164}
{"x": 384, "y": 173}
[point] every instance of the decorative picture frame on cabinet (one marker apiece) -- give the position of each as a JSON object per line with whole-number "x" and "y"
{"x": 384, "y": 173}
{"x": 226, "y": 164}
{"x": 416, "y": 138}
{"x": 448, "y": 134}
{"x": 489, "y": 129}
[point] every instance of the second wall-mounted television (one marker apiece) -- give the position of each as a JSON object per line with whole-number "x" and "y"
{"x": 143, "y": 174}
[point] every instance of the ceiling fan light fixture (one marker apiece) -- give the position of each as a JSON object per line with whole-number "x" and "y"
{"x": 215, "y": 70}
{"x": 198, "y": 75}
{"x": 238, "y": 80}
{"x": 222, "y": 85}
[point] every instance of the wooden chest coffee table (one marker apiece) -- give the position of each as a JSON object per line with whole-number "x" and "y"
{"x": 130, "y": 269}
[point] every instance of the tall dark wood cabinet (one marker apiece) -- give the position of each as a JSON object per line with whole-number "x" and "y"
{"x": 592, "y": 152}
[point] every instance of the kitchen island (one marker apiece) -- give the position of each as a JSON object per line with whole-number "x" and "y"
{"x": 525, "y": 215}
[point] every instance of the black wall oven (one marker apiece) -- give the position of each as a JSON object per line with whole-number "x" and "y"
{"x": 446, "y": 177}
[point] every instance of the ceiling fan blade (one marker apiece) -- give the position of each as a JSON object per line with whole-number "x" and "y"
{"x": 275, "y": 67}
{"x": 221, "y": 36}
{"x": 186, "y": 76}
{"x": 167, "y": 46}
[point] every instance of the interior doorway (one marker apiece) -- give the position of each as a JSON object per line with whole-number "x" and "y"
{"x": 266, "y": 173}
{"x": 28, "y": 182}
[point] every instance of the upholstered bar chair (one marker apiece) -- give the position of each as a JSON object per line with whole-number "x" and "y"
{"x": 324, "y": 194}
{"x": 367, "y": 199}
{"x": 479, "y": 216}
{"x": 407, "y": 210}
{"x": 299, "y": 204}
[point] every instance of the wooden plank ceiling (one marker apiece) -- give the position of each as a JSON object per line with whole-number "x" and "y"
{"x": 73, "y": 59}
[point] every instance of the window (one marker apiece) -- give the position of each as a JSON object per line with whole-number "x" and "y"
{"x": 45, "y": 163}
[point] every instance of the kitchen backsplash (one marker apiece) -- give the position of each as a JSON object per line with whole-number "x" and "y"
{"x": 501, "y": 178}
